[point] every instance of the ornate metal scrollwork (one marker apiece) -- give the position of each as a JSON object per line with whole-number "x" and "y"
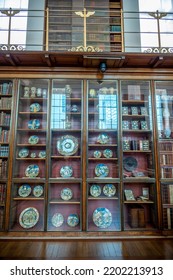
{"x": 85, "y": 49}
{"x": 11, "y": 48}
{"x": 159, "y": 50}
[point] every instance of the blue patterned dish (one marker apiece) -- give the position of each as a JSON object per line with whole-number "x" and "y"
{"x": 38, "y": 191}
{"x": 57, "y": 220}
{"x": 24, "y": 190}
{"x": 32, "y": 171}
{"x": 67, "y": 145}
{"x": 66, "y": 171}
{"x": 102, "y": 217}
{"x": 34, "y": 124}
{"x": 103, "y": 138}
{"x": 29, "y": 217}
{"x": 35, "y": 107}
{"x": 101, "y": 170}
{"x": 23, "y": 153}
{"x": 109, "y": 190}
{"x": 66, "y": 194}
{"x": 95, "y": 190}
{"x": 107, "y": 153}
{"x": 73, "y": 220}
{"x": 33, "y": 139}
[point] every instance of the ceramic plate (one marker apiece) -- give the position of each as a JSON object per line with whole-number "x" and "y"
{"x": 95, "y": 190}
{"x": 109, "y": 190}
{"x": 38, "y": 191}
{"x": 107, "y": 153}
{"x": 66, "y": 171}
{"x": 66, "y": 194}
{"x": 73, "y": 220}
{"x": 67, "y": 145}
{"x": 24, "y": 190}
{"x": 33, "y": 139}
{"x": 130, "y": 163}
{"x": 34, "y": 124}
{"x": 29, "y": 217}
{"x": 57, "y": 220}
{"x": 42, "y": 154}
{"x": 32, "y": 171}
{"x": 101, "y": 170}
{"x": 97, "y": 154}
{"x": 23, "y": 153}
{"x": 35, "y": 107}
{"x": 102, "y": 217}
{"x": 103, "y": 138}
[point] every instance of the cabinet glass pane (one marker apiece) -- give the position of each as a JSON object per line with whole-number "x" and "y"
{"x": 164, "y": 107}
{"x": 139, "y": 190}
{"x": 66, "y": 156}
{"x": 29, "y": 171}
{"x": 5, "y": 123}
{"x": 102, "y": 150}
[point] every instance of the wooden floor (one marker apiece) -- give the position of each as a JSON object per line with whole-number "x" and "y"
{"x": 87, "y": 249}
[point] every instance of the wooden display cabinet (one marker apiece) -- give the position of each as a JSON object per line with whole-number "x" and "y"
{"x": 30, "y": 160}
{"x": 103, "y": 209}
{"x": 139, "y": 183}
{"x": 6, "y": 98}
{"x": 164, "y": 105}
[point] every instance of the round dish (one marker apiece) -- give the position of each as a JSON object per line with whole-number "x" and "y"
{"x": 97, "y": 154}
{"x": 35, "y": 107}
{"x": 33, "y": 139}
{"x": 102, "y": 217}
{"x": 101, "y": 170}
{"x": 29, "y": 217}
{"x": 130, "y": 163}
{"x": 67, "y": 145}
{"x": 103, "y": 138}
{"x": 23, "y": 153}
{"x": 32, "y": 171}
{"x": 42, "y": 154}
{"x": 38, "y": 191}
{"x": 109, "y": 190}
{"x": 73, "y": 220}
{"x": 107, "y": 153}
{"x": 66, "y": 194}
{"x": 57, "y": 220}
{"x": 66, "y": 171}
{"x": 95, "y": 190}
{"x": 34, "y": 124}
{"x": 24, "y": 190}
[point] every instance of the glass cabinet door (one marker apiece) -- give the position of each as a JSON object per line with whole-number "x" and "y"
{"x": 164, "y": 108}
{"x": 29, "y": 165}
{"x": 138, "y": 156}
{"x": 103, "y": 209}
{"x": 65, "y": 185}
{"x": 5, "y": 124}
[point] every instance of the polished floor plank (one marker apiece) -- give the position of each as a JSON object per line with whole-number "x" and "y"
{"x": 87, "y": 249}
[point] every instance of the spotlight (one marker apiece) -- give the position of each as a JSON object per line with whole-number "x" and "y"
{"x": 102, "y": 67}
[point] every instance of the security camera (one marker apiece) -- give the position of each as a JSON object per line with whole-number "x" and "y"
{"x": 102, "y": 67}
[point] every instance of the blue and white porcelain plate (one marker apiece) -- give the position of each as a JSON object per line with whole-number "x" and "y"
{"x": 32, "y": 171}
{"x": 73, "y": 220}
{"x": 103, "y": 138}
{"x": 57, "y": 220}
{"x": 23, "y": 153}
{"x": 66, "y": 171}
{"x": 42, "y": 154}
{"x": 95, "y": 190}
{"x": 35, "y": 107}
{"x": 109, "y": 190}
{"x": 97, "y": 154}
{"x": 24, "y": 190}
{"x": 107, "y": 153}
{"x": 102, "y": 217}
{"x": 29, "y": 217}
{"x": 34, "y": 124}
{"x": 101, "y": 170}
{"x": 33, "y": 139}
{"x": 67, "y": 145}
{"x": 66, "y": 194}
{"x": 38, "y": 191}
